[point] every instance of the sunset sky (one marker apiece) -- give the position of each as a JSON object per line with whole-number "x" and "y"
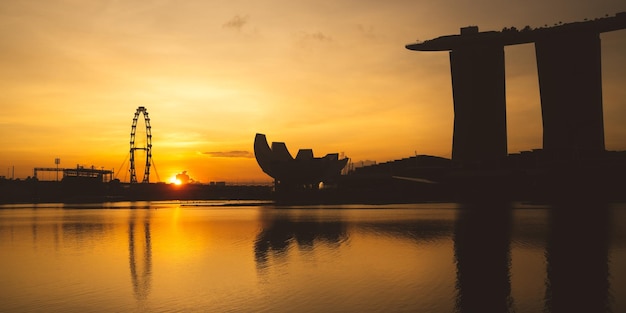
{"x": 333, "y": 76}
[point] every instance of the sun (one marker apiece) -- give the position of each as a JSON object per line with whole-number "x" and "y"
{"x": 175, "y": 181}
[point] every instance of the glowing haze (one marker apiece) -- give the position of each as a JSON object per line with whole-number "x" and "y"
{"x": 333, "y": 76}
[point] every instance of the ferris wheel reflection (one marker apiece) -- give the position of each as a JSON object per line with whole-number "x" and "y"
{"x": 140, "y": 253}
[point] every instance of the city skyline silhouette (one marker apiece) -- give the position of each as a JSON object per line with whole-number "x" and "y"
{"x": 76, "y": 74}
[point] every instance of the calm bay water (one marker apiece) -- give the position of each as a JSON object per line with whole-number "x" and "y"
{"x": 188, "y": 257}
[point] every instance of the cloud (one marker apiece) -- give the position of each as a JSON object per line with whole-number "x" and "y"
{"x": 306, "y": 39}
{"x": 367, "y": 31}
{"x": 230, "y": 154}
{"x": 236, "y": 23}
{"x": 317, "y": 36}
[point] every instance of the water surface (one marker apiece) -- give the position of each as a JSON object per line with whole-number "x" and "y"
{"x": 163, "y": 257}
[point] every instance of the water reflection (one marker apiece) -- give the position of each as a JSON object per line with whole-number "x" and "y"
{"x": 140, "y": 252}
{"x": 482, "y": 237}
{"x": 81, "y": 228}
{"x": 577, "y": 259}
{"x": 419, "y": 259}
{"x": 279, "y": 231}
{"x": 418, "y": 231}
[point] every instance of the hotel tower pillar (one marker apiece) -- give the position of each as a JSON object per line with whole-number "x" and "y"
{"x": 570, "y": 83}
{"x": 478, "y": 87}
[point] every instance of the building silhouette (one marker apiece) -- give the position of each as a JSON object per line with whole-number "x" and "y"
{"x": 304, "y": 170}
{"x": 570, "y": 81}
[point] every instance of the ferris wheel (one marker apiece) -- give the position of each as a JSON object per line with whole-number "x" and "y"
{"x": 147, "y": 148}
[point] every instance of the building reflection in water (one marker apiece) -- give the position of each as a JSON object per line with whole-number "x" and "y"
{"x": 576, "y": 252}
{"x": 140, "y": 252}
{"x": 482, "y": 236}
{"x": 280, "y": 231}
{"x": 577, "y": 259}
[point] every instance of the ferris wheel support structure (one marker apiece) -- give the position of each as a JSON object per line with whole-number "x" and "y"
{"x": 147, "y": 148}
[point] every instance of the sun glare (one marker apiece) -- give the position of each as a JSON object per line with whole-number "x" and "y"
{"x": 175, "y": 181}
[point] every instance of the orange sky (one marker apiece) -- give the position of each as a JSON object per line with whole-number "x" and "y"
{"x": 333, "y": 76}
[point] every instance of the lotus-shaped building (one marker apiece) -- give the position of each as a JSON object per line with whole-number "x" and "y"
{"x": 303, "y": 170}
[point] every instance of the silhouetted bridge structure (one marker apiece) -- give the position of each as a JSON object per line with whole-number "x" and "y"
{"x": 570, "y": 82}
